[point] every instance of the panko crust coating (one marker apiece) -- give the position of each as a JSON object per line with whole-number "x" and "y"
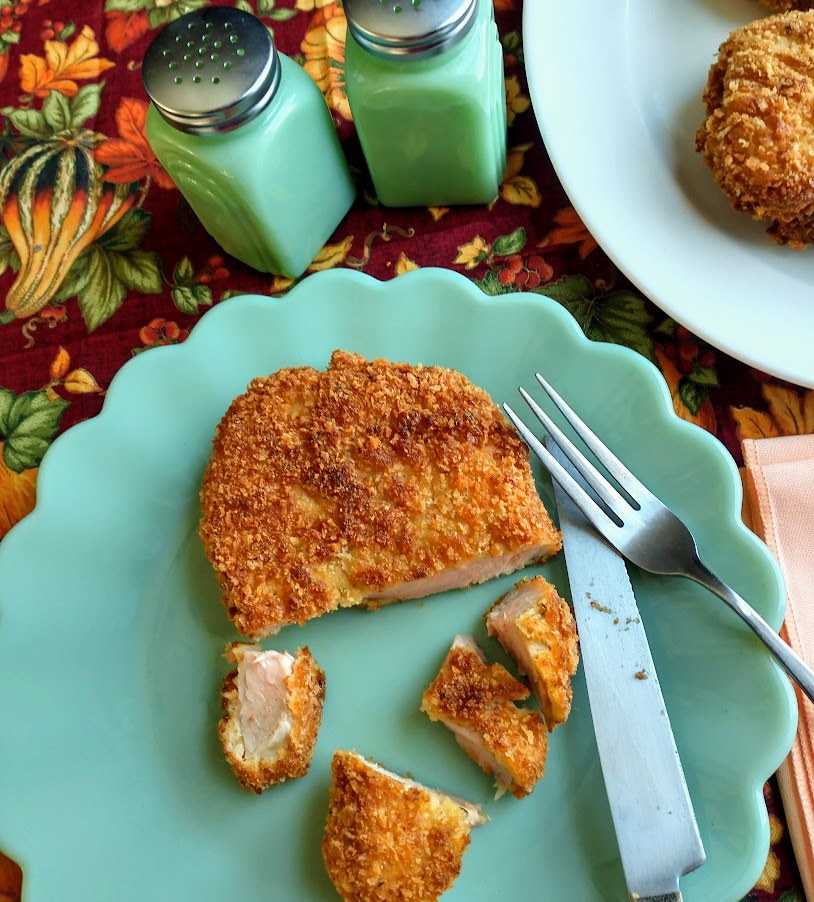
{"x": 386, "y": 841}
{"x": 328, "y": 489}
{"x": 548, "y": 632}
{"x": 469, "y": 693}
{"x": 758, "y": 135}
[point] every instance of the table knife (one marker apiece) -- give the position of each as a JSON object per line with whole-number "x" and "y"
{"x": 650, "y": 805}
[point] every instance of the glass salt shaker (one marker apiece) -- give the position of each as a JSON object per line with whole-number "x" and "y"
{"x": 425, "y": 87}
{"x": 247, "y": 137}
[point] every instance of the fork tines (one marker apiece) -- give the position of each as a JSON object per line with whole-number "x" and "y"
{"x": 617, "y": 509}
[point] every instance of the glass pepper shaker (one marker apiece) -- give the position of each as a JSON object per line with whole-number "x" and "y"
{"x": 247, "y": 137}
{"x": 425, "y": 87}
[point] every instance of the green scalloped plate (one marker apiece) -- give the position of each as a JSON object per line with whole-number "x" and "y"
{"x": 112, "y": 781}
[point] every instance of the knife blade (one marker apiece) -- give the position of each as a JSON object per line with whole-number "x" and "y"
{"x": 650, "y": 804}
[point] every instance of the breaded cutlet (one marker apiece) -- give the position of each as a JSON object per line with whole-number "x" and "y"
{"x": 536, "y": 627}
{"x": 475, "y": 701}
{"x": 390, "y": 839}
{"x": 758, "y": 134}
{"x": 368, "y": 483}
{"x": 273, "y": 709}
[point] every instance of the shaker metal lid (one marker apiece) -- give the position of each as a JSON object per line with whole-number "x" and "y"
{"x": 409, "y": 29}
{"x": 211, "y": 70}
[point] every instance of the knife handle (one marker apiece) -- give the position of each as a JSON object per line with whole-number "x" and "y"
{"x": 665, "y": 897}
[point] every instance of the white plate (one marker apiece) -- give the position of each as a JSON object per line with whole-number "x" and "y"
{"x": 616, "y": 87}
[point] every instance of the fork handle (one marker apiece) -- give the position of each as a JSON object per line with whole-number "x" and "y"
{"x": 664, "y": 897}
{"x": 794, "y": 665}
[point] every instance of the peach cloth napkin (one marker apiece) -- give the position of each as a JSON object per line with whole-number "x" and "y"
{"x": 779, "y": 507}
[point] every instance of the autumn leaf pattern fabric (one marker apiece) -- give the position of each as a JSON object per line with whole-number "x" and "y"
{"x": 102, "y": 259}
{"x": 129, "y": 158}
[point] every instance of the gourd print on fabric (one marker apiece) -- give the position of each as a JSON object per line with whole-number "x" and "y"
{"x": 54, "y": 204}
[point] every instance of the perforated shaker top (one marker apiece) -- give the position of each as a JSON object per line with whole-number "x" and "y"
{"x": 211, "y": 70}
{"x": 409, "y": 29}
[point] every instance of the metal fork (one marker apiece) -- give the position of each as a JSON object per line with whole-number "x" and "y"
{"x": 646, "y": 532}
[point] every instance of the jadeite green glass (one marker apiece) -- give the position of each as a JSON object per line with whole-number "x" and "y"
{"x": 272, "y": 191}
{"x": 433, "y": 131}
{"x": 113, "y": 784}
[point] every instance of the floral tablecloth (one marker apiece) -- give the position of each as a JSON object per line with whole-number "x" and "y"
{"x": 127, "y": 266}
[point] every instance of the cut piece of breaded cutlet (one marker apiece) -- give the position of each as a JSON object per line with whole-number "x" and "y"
{"x": 390, "y": 839}
{"x": 368, "y": 483}
{"x": 758, "y": 133}
{"x": 536, "y": 627}
{"x": 273, "y": 709}
{"x": 475, "y": 701}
